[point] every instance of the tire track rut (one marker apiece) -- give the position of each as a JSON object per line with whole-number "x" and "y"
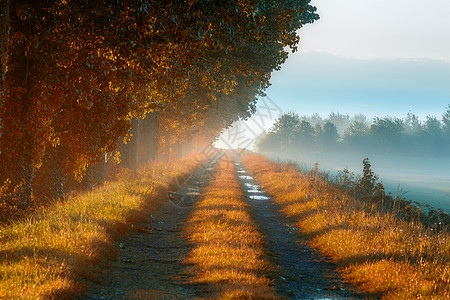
{"x": 150, "y": 263}
{"x": 303, "y": 273}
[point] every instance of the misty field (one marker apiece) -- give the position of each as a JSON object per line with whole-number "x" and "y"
{"x": 425, "y": 180}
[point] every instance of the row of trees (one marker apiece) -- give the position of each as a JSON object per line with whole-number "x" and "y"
{"x": 339, "y": 132}
{"x": 77, "y": 75}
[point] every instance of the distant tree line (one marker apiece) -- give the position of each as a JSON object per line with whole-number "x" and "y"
{"x": 338, "y": 132}
{"x": 83, "y": 79}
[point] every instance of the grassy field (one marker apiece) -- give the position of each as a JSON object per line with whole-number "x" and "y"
{"x": 54, "y": 252}
{"x": 377, "y": 251}
{"x": 227, "y": 256}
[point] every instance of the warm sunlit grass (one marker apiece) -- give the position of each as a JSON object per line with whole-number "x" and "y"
{"x": 52, "y": 253}
{"x": 227, "y": 253}
{"x": 378, "y": 252}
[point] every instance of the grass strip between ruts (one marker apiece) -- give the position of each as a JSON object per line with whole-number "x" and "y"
{"x": 378, "y": 252}
{"x": 227, "y": 255}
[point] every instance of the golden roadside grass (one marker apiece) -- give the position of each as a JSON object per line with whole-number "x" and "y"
{"x": 228, "y": 252}
{"x": 376, "y": 251}
{"x": 53, "y": 253}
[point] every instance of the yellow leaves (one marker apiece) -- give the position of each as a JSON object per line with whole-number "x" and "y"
{"x": 81, "y": 168}
{"x": 84, "y": 103}
{"x": 110, "y": 55}
{"x": 5, "y": 187}
{"x": 116, "y": 157}
{"x": 55, "y": 141}
{"x": 130, "y": 116}
{"x": 113, "y": 87}
{"x": 38, "y": 164}
{"x": 126, "y": 139}
{"x": 229, "y": 86}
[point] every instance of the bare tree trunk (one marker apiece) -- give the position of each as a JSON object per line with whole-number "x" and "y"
{"x": 156, "y": 138}
{"x": 147, "y": 142}
{"x": 134, "y": 157}
{"x": 95, "y": 174}
{"x": 144, "y": 145}
{"x": 129, "y": 151}
{"x": 177, "y": 150}
{"x": 18, "y": 140}
{"x": 168, "y": 147}
{"x": 4, "y": 41}
{"x": 50, "y": 179}
{"x": 4, "y": 20}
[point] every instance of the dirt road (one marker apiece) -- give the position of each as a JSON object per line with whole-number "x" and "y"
{"x": 151, "y": 264}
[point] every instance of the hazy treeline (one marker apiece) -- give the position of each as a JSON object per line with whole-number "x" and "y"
{"x": 339, "y": 132}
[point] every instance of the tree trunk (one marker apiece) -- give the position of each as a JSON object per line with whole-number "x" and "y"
{"x": 129, "y": 151}
{"x": 134, "y": 158}
{"x": 4, "y": 19}
{"x": 19, "y": 139}
{"x": 50, "y": 180}
{"x": 176, "y": 150}
{"x": 18, "y": 145}
{"x": 147, "y": 141}
{"x": 156, "y": 138}
{"x": 95, "y": 174}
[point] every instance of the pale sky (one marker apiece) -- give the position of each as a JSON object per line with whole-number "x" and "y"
{"x": 380, "y": 28}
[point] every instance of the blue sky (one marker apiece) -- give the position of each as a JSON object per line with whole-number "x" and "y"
{"x": 375, "y": 57}
{"x": 315, "y": 82}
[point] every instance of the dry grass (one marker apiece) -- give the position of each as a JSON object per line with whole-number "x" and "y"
{"x": 53, "y": 253}
{"x": 227, "y": 254}
{"x": 377, "y": 251}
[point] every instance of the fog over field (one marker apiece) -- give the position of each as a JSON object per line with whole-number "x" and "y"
{"x": 421, "y": 179}
{"x": 411, "y": 156}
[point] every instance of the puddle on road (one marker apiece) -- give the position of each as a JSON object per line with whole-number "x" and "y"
{"x": 246, "y": 177}
{"x": 250, "y": 187}
{"x": 255, "y": 191}
{"x": 259, "y": 197}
